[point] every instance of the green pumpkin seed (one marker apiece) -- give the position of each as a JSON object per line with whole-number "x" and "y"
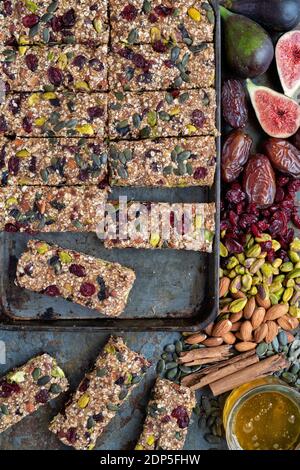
{"x": 210, "y": 16}
{"x": 164, "y": 116}
{"x": 170, "y": 348}
{"x": 122, "y": 172}
{"x": 146, "y": 6}
{"x": 185, "y": 155}
{"x": 101, "y": 372}
{"x": 136, "y": 119}
{"x": 171, "y": 374}
{"x": 90, "y": 423}
{"x": 295, "y": 369}
{"x": 36, "y": 373}
{"x": 34, "y": 30}
{"x": 169, "y": 98}
{"x": 133, "y": 36}
{"x": 183, "y": 97}
{"x": 112, "y": 407}
{"x": 46, "y": 35}
{"x": 46, "y": 18}
{"x": 152, "y": 118}
{"x": 52, "y": 7}
{"x": 178, "y": 82}
{"x": 196, "y": 48}
{"x": 168, "y": 170}
{"x": 178, "y": 347}
{"x": 4, "y": 409}
{"x": 282, "y": 338}
{"x": 275, "y": 344}
{"x": 43, "y": 380}
{"x": 171, "y": 365}
{"x": 289, "y": 377}
{"x": 55, "y": 389}
{"x": 175, "y": 51}
{"x": 261, "y": 349}
{"x": 161, "y": 365}
{"x": 145, "y": 132}
{"x": 182, "y": 168}
{"x": 122, "y": 124}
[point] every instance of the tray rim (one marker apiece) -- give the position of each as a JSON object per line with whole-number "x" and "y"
{"x": 191, "y": 324}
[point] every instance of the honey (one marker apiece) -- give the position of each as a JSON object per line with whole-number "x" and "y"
{"x": 268, "y": 421}
{"x": 263, "y": 415}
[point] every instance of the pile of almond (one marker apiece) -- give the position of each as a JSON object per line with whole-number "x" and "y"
{"x": 247, "y": 328}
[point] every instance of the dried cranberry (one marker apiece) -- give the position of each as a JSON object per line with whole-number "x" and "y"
{"x": 280, "y": 194}
{"x": 139, "y": 61}
{"x": 95, "y": 112}
{"x": 55, "y": 76}
{"x": 8, "y": 7}
{"x": 198, "y": 118}
{"x": 3, "y": 124}
{"x": 153, "y": 18}
{"x": 79, "y": 61}
{"x": 200, "y": 173}
{"x": 159, "y": 46}
{"x": 126, "y": 53}
{"x": 271, "y": 255}
{"x": 27, "y": 125}
{"x": 32, "y": 165}
{"x": 42, "y": 396}
{"x": 71, "y": 435}
{"x": 166, "y": 419}
{"x": 14, "y": 165}
{"x": 8, "y": 389}
{"x": 98, "y": 417}
{"x": 84, "y": 385}
{"x": 87, "y": 289}
{"x": 69, "y": 18}
{"x": 32, "y": 62}
{"x": 296, "y": 219}
{"x": 181, "y": 414}
{"x": 282, "y": 180}
{"x": 266, "y": 246}
{"x": 30, "y": 20}
{"x": 129, "y": 12}
{"x": 14, "y": 105}
{"x": 57, "y": 24}
{"x": 52, "y": 291}
{"x": 235, "y": 196}
{"x": 11, "y": 228}
{"x": 163, "y": 11}
{"x": 77, "y": 270}
{"x": 28, "y": 269}
{"x": 246, "y": 220}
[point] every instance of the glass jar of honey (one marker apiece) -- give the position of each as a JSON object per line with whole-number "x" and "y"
{"x": 263, "y": 415}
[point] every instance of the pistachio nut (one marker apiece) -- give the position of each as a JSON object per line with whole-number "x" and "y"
{"x": 241, "y": 258}
{"x": 294, "y": 311}
{"x": 286, "y": 267}
{"x": 253, "y": 290}
{"x": 223, "y": 250}
{"x": 275, "y": 286}
{"x": 288, "y": 293}
{"x": 277, "y": 263}
{"x": 290, "y": 283}
{"x": 256, "y": 266}
{"x": 247, "y": 281}
{"x": 267, "y": 269}
{"x": 295, "y": 273}
{"x": 274, "y": 299}
{"x": 237, "y": 305}
{"x": 232, "y": 262}
{"x": 276, "y": 245}
{"x": 295, "y": 245}
{"x": 294, "y": 257}
{"x": 235, "y": 285}
{"x": 254, "y": 251}
{"x": 240, "y": 270}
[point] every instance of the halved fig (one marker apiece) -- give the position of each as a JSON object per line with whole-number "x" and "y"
{"x": 288, "y": 63}
{"x": 279, "y": 116}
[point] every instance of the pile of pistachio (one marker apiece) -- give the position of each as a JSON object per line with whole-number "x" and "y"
{"x": 249, "y": 274}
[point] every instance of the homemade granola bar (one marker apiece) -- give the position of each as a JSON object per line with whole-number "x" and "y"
{"x": 101, "y": 393}
{"x": 52, "y": 162}
{"x": 77, "y": 277}
{"x": 168, "y": 416}
{"x": 161, "y": 114}
{"x": 54, "y": 21}
{"x": 37, "y": 68}
{"x": 54, "y": 114}
{"x": 50, "y": 209}
{"x": 25, "y": 389}
{"x": 163, "y": 162}
{"x": 146, "y": 21}
{"x": 138, "y": 68}
{"x": 155, "y": 225}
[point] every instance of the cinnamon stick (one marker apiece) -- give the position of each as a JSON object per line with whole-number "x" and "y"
{"x": 217, "y": 353}
{"x": 204, "y": 361}
{"x": 225, "y": 371}
{"x": 255, "y": 371}
{"x": 192, "y": 379}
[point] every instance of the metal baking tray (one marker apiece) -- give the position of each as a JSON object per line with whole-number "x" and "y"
{"x": 174, "y": 290}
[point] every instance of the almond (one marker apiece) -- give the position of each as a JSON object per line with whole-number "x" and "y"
{"x": 239, "y": 295}
{"x": 266, "y": 303}
{"x": 245, "y": 346}
{"x": 238, "y": 335}
{"x": 229, "y": 338}
{"x": 276, "y": 311}
{"x": 249, "y": 308}
{"x": 221, "y": 328}
{"x": 272, "y": 331}
{"x": 246, "y": 330}
{"x": 234, "y": 317}
{"x": 260, "y": 333}
{"x": 224, "y": 286}
{"x": 196, "y": 338}
{"x": 236, "y": 326}
{"x": 209, "y": 329}
{"x": 288, "y": 323}
{"x": 258, "y": 317}
{"x": 211, "y": 342}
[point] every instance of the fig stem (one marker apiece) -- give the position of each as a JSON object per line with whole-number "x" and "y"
{"x": 225, "y": 13}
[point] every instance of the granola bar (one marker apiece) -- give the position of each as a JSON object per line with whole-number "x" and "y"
{"x": 54, "y": 114}
{"x": 168, "y": 416}
{"x": 25, "y": 389}
{"x": 101, "y": 393}
{"x": 164, "y": 162}
{"x": 54, "y": 21}
{"x": 52, "y": 162}
{"x": 50, "y": 209}
{"x": 37, "y": 68}
{"x": 146, "y": 21}
{"x": 155, "y": 114}
{"x": 77, "y": 277}
{"x": 159, "y": 225}
{"x": 138, "y": 68}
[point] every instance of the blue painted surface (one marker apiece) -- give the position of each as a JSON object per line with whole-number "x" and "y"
{"x": 76, "y": 352}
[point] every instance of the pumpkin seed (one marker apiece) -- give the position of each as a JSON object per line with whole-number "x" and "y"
{"x": 170, "y": 348}
{"x": 189, "y": 169}
{"x": 145, "y": 132}
{"x": 55, "y": 389}
{"x": 295, "y": 369}
{"x": 169, "y": 98}
{"x": 44, "y": 175}
{"x": 178, "y": 82}
{"x": 34, "y": 30}
{"x": 146, "y": 6}
{"x": 161, "y": 365}
{"x": 275, "y": 344}
{"x": 288, "y": 377}
{"x": 112, "y": 407}
{"x": 282, "y": 338}
{"x": 175, "y": 51}
{"x": 182, "y": 168}
{"x": 171, "y": 365}
{"x": 36, "y": 373}
{"x": 178, "y": 347}
{"x": 168, "y": 170}
{"x": 171, "y": 374}
{"x": 183, "y": 97}
{"x": 136, "y": 119}
{"x": 196, "y": 48}
{"x": 133, "y": 36}
{"x": 4, "y": 410}
{"x": 52, "y": 7}
{"x": 43, "y": 380}
{"x": 261, "y": 349}
{"x": 164, "y": 116}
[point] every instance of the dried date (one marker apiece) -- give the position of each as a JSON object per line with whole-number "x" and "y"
{"x": 283, "y": 156}
{"x": 234, "y": 105}
{"x": 235, "y": 154}
{"x": 259, "y": 181}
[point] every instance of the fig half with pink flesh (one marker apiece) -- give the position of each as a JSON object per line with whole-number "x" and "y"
{"x": 279, "y": 116}
{"x": 288, "y": 63}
